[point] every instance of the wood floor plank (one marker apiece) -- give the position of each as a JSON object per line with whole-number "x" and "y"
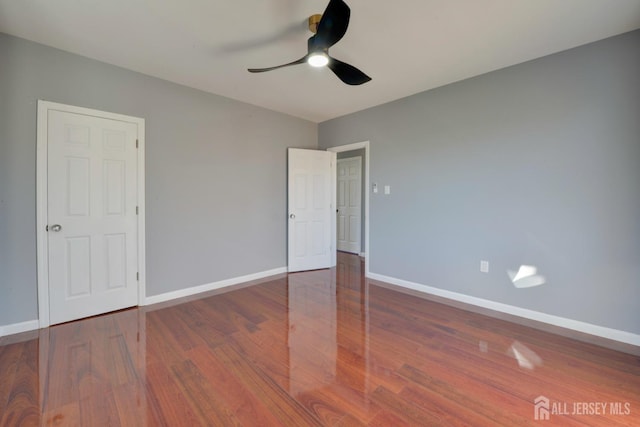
{"x": 386, "y": 419}
{"x": 348, "y": 401}
{"x": 131, "y": 402}
{"x": 450, "y": 412}
{"x": 9, "y": 362}
{"x": 349, "y": 421}
{"x": 447, "y": 387}
{"x": 121, "y": 368}
{"x": 23, "y": 405}
{"x": 267, "y": 350}
{"x": 235, "y": 302}
{"x": 165, "y": 398}
{"x": 230, "y": 391}
{"x": 405, "y": 410}
{"x": 321, "y": 408}
{"x": 68, "y": 415}
{"x": 163, "y": 343}
{"x": 100, "y": 410}
{"x": 192, "y": 322}
{"x": 304, "y": 377}
{"x": 326, "y": 347}
{"x": 203, "y": 400}
{"x": 173, "y": 321}
{"x": 285, "y": 408}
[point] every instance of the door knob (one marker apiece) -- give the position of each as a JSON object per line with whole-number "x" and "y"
{"x": 292, "y": 216}
{"x": 56, "y": 227}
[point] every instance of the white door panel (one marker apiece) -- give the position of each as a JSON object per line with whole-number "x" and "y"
{"x": 92, "y": 193}
{"x": 349, "y": 204}
{"x": 309, "y": 209}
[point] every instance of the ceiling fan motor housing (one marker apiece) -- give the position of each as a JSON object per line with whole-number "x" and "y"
{"x": 314, "y": 20}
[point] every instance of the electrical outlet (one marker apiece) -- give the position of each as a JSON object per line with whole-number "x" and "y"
{"x": 484, "y": 266}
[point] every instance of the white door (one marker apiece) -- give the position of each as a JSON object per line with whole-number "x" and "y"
{"x": 91, "y": 211}
{"x": 310, "y": 209}
{"x": 349, "y": 205}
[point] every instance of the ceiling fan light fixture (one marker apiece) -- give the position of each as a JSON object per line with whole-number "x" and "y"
{"x": 328, "y": 29}
{"x": 318, "y": 59}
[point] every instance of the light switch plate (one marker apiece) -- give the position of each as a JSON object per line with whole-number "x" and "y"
{"x": 387, "y": 189}
{"x": 484, "y": 266}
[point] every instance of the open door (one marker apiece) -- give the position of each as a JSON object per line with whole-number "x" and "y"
{"x": 310, "y": 209}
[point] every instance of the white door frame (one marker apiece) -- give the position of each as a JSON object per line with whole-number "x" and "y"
{"x": 365, "y": 195}
{"x": 42, "y": 237}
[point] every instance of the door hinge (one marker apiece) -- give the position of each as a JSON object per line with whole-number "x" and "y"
{"x": 137, "y": 210}
{"x": 137, "y": 143}
{"x": 138, "y": 277}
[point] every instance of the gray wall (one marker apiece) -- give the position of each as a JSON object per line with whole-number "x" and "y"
{"x": 534, "y": 164}
{"x": 215, "y": 172}
{"x": 363, "y": 159}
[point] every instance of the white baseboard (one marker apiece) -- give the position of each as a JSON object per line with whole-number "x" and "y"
{"x": 168, "y": 296}
{"x": 16, "y": 328}
{"x": 576, "y": 325}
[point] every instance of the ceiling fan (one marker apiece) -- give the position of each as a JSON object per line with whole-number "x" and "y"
{"x": 329, "y": 28}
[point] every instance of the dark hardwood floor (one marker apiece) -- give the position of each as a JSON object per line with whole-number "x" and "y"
{"x": 317, "y": 348}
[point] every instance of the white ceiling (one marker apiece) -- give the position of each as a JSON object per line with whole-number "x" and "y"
{"x": 406, "y": 46}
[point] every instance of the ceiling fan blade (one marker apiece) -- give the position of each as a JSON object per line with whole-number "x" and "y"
{"x": 262, "y": 70}
{"x": 333, "y": 24}
{"x": 347, "y": 73}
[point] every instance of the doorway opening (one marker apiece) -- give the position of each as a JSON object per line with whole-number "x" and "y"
{"x": 359, "y": 150}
